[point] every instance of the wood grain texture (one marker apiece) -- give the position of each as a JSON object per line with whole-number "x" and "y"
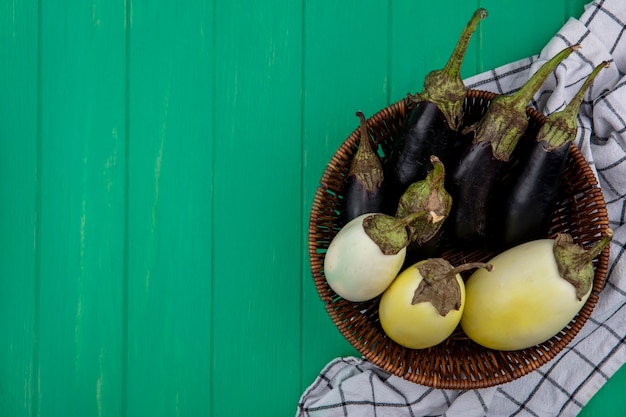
{"x": 517, "y": 30}
{"x": 82, "y": 195}
{"x": 423, "y": 38}
{"x": 256, "y": 217}
{"x": 19, "y": 177}
{"x": 158, "y": 162}
{"x": 345, "y": 69}
{"x": 170, "y": 209}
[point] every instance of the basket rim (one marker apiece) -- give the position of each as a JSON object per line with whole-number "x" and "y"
{"x": 513, "y": 364}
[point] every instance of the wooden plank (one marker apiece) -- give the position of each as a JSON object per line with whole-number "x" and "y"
{"x": 81, "y": 242}
{"x": 19, "y": 37}
{"x": 204, "y": 322}
{"x": 170, "y": 209}
{"x": 257, "y": 225}
{"x": 516, "y": 30}
{"x": 346, "y": 68}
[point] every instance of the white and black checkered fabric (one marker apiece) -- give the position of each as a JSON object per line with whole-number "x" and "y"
{"x": 354, "y": 387}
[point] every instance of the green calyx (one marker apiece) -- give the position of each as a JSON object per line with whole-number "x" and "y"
{"x": 439, "y": 285}
{"x": 445, "y": 87}
{"x": 430, "y": 198}
{"x": 505, "y": 121}
{"x": 389, "y": 233}
{"x": 561, "y": 127}
{"x": 366, "y": 165}
{"x": 575, "y": 263}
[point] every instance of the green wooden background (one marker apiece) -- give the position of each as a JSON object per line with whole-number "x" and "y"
{"x": 158, "y": 160}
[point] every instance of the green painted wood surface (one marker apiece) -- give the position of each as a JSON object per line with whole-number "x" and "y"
{"x": 157, "y": 165}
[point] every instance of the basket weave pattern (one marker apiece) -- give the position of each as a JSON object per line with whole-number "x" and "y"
{"x": 457, "y": 363}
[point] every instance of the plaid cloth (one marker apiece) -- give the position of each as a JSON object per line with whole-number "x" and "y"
{"x": 354, "y": 387}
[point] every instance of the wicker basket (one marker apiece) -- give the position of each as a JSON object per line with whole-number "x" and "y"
{"x": 457, "y": 363}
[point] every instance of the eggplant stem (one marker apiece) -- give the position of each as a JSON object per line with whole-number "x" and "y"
{"x": 522, "y": 97}
{"x": 591, "y": 254}
{"x": 574, "y": 263}
{"x": 572, "y": 108}
{"x": 444, "y": 87}
{"x": 363, "y": 122}
{"x": 404, "y": 221}
{"x": 366, "y": 165}
{"x": 505, "y": 121}
{"x": 438, "y": 172}
{"x": 471, "y": 265}
{"x": 453, "y": 66}
{"x": 561, "y": 127}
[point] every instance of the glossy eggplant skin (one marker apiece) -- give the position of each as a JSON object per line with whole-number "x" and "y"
{"x": 533, "y": 193}
{"x": 360, "y": 200}
{"x": 474, "y": 186}
{"x": 425, "y": 133}
{"x": 528, "y": 207}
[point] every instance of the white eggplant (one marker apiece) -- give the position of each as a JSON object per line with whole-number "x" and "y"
{"x": 533, "y": 292}
{"x": 368, "y": 252}
{"x": 423, "y": 305}
{"x": 358, "y": 268}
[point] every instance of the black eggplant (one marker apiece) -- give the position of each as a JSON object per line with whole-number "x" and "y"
{"x": 474, "y": 180}
{"x": 431, "y": 126}
{"x": 532, "y": 195}
{"x": 363, "y": 189}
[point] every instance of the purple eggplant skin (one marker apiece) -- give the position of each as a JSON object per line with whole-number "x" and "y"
{"x": 477, "y": 178}
{"x": 426, "y": 133}
{"x": 359, "y": 200}
{"x": 363, "y": 191}
{"x": 527, "y": 211}
{"x": 432, "y": 123}
{"x": 472, "y": 185}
